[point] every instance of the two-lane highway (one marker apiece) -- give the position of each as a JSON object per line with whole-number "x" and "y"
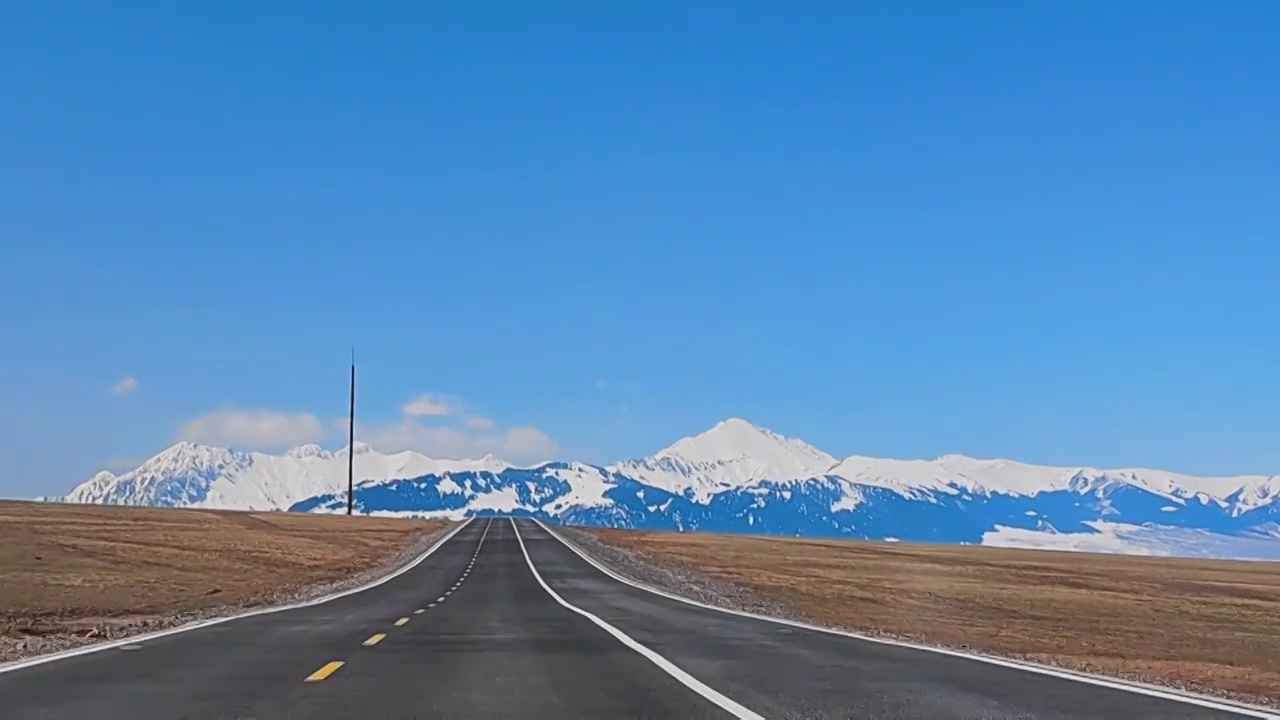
{"x": 506, "y": 620}
{"x": 501, "y": 647}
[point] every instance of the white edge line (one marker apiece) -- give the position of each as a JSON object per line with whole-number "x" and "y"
{"x": 98, "y": 647}
{"x": 725, "y": 703}
{"x": 1141, "y": 689}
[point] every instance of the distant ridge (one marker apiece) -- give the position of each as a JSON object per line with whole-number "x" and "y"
{"x": 189, "y": 474}
{"x": 739, "y": 477}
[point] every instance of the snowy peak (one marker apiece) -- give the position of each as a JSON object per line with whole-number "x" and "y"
{"x": 188, "y": 457}
{"x": 193, "y": 475}
{"x": 731, "y": 454}
{"x": 310, "y": 450}
{"x": 361, "y": 449}
{"x": 178, "y": 476}
{"x": 490, "y": 463}
{"x": 953, "y": 474}
{"x": 736, "y": 440}
{"x": 94, "y": 489}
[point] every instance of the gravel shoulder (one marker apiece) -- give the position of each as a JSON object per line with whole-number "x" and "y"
{"x": 1219, "y": 622}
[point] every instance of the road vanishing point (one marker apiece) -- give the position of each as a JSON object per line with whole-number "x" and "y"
{"x": 504, "y": 619}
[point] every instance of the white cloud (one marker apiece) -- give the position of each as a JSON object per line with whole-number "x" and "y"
{"x": 435, "y": 426}
{"x": 253, "y": 429}
{"x": 529, "y": 443}
{"x": 431, "y": 425}
{"x": 517, "y": 444}
{"x": 125, "y": 386}
{"x": 425, "y": 405}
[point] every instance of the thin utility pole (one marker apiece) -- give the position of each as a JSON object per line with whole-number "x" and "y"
{"x": 351, "y": 438}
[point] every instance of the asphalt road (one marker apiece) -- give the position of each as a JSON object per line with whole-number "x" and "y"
{"x": 473, "y": 632}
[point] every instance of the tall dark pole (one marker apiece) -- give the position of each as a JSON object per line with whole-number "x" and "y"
{"x": 351, "y": 439}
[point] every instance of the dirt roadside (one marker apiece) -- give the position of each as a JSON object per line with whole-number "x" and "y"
{"x": 72, "y": 575}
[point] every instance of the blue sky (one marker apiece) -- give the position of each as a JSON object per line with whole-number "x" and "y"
{"x": 585, "y": 230}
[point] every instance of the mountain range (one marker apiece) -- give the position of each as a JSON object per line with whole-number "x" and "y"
{"x": 737, "y": 477}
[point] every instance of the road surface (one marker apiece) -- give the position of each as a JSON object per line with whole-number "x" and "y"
{"x": 474, "y": 632}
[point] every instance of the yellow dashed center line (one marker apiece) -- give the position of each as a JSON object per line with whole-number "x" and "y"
{"x": 332, "y": 667}
{"x": 325, "y": 671}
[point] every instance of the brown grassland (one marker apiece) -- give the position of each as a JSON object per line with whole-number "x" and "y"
{"x": 1208, "y": 625}
{"x": 80, "y": 569}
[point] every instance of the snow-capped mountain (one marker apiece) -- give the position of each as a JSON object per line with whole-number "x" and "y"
{"x": 737, "y": 477}
{"x": 732, "y": 454}
{"x": 192, "y": 475}
{"x": 953, "y": 474}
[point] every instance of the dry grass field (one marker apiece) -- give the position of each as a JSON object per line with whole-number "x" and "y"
{"x": 1210, "y": 625}
{"x": 88, "y": 570}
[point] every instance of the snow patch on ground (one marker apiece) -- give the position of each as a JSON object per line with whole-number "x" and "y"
{"x": 851, "y": 500}
{"x": 1158, "y": 540}
{"x": 503, "y": 500}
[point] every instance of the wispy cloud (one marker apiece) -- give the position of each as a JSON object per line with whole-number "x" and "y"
{"x": 430, "y": 425}
{"x": 439, "y": 427}
{"x": 121, "y": 464}
{"x": 517, "y": 444}
{"x": 253, "y": 428}
{"x": 124, "y": 386}
{"x": 426, "y": 405}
